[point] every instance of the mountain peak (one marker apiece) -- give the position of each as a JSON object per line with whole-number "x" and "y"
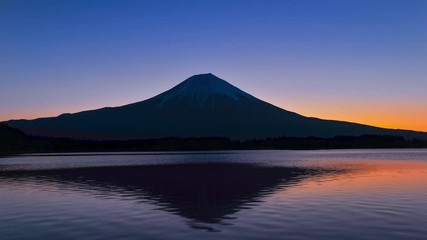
{"x": 203, "y": 76}
{"x": 208, "y": 80}
{"x": 201, "y": 87}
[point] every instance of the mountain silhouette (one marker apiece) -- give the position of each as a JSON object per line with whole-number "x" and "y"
{"x": 201, "y": 106}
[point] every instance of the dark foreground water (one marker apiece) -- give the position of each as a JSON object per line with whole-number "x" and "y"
{"x": 345, "y": 194}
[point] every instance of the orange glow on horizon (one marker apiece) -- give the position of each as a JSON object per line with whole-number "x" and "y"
{"x": 387, "y": 115}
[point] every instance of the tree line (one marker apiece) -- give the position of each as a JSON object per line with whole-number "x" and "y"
{"x": 13, "y": 141}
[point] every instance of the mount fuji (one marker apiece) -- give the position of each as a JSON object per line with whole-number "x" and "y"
{"x": 201, "y": 106}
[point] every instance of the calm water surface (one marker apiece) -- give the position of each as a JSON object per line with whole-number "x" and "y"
{"x": 343, "y": 194}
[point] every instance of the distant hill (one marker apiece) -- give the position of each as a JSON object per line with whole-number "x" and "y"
{"x": 201, "y": 106}
{"x": 12, "y": 140}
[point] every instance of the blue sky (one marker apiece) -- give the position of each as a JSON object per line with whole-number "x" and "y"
{"x": 362, "y": 61}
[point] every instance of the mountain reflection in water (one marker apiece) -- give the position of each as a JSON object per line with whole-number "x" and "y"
{"x": 204, "y": 193}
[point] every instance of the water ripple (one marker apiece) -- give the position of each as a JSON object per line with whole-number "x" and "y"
{"x": 347, "y": 194}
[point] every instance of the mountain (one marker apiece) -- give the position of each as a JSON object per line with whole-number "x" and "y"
{"x": 201, "y": 106}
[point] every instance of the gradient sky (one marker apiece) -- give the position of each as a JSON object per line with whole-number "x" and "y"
{"x": 360, "y": 61}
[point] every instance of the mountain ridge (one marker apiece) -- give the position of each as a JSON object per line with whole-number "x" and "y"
{"x": 200, "y": 106}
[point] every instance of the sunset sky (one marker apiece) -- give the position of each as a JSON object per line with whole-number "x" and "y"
{"x": 361, "y": 61}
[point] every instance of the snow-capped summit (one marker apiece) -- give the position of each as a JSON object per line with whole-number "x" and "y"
{"x": 203, "y": 87}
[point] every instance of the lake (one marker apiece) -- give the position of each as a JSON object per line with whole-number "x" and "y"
{"x": 327, "y": 194}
